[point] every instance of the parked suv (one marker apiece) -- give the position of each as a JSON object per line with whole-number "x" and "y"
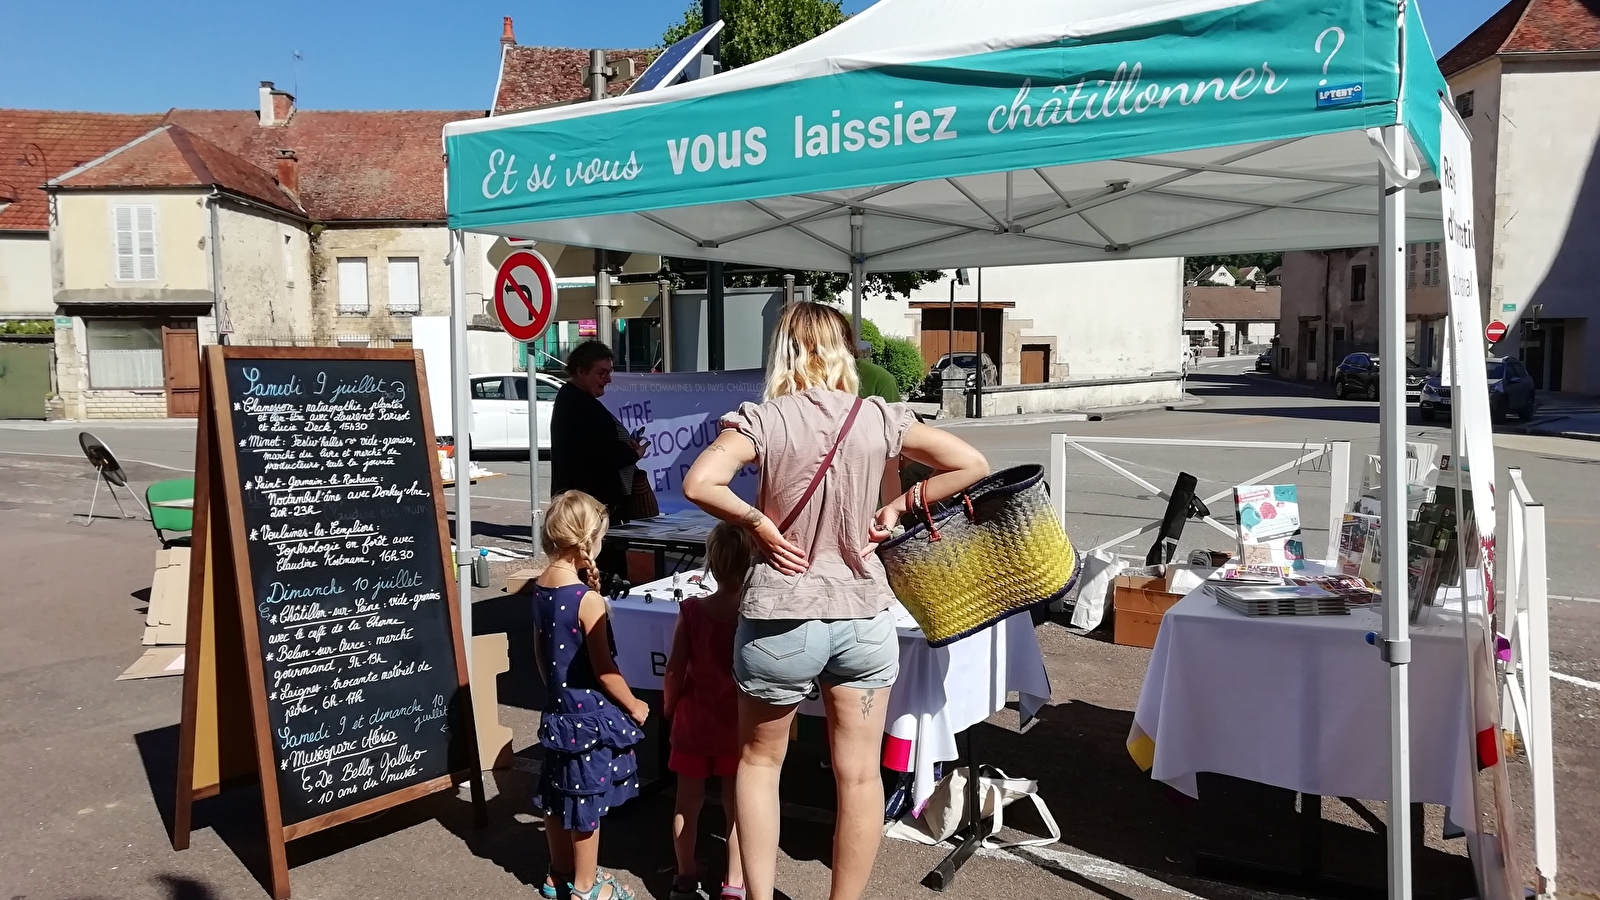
{"x": 1511, "y": 392}
{"x": 933, "y": 385}
{"x": 1357, "y": 378}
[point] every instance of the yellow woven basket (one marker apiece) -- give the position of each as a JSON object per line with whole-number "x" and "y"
{"x": 993, "y": 552}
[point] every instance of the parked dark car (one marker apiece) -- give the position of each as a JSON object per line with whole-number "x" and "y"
{"x": 1511, "y": 392}
{"x": 1264, "y": 362}
{"x": 933, "y": 384}
{"x": 1357, "y": 378}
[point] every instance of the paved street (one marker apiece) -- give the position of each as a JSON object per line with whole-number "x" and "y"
{"x": 87, "y": 791}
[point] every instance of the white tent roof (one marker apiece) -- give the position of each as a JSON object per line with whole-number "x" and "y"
{"x": 1255, "y": 162}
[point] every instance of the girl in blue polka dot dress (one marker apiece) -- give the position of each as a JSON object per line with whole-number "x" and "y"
{"x": 591, "y": 720}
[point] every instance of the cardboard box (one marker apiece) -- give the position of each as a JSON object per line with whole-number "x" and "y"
{"x": 168, "y": 616}
{"x": 1139, "y": 602}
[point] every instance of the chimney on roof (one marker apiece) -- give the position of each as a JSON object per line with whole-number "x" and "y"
{"x": 276, "y": 106}
{"x": 508, "y": 38}
{"x": 289, "y": 171}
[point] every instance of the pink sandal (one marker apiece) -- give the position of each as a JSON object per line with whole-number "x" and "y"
{"x": 729, "y": 892}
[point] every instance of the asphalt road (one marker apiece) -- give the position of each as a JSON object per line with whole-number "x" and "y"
{"x": 86, "y": 792}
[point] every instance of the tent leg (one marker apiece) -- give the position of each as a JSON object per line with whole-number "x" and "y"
{"x": 461, "y": 392}
{"x": 858, "y": 266}
{"x": 1396, "y": 643}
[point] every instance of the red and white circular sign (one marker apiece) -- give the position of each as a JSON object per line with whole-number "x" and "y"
{"x": 525, "y": 295}
{"x": 1495, "y": 332}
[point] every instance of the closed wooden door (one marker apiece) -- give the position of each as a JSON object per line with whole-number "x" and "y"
{"x": 180, "y": 358}
{"x": 1035, "y": 363}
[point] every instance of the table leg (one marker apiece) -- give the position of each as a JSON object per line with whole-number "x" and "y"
{"x": 971, "y": 836}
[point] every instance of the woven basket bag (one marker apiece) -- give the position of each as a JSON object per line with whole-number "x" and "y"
{"x": 981, "y": 556}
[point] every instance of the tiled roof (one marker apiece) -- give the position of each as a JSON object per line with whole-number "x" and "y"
{"x": 1528, "y": 26}
{"x": 38, "y": 145}
{"x": 172, "y": 157}
{"x": 1230, "y": 304}
{"x": 540, "y": 76}
{"x": 353, "y": 166}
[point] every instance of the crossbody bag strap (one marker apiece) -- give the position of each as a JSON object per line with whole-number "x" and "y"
{"x": 822, "y": 470}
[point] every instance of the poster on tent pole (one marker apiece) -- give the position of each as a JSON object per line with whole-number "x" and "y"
{"x": 679, "y": 414}
{"x": 1473, "y": 426}
{"x": 1470, "y": 387}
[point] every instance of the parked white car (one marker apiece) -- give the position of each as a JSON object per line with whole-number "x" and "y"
{"x": 500, "y": 410}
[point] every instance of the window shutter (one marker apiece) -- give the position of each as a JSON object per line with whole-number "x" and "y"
{"x": 145, "y": 232}
{"x": 1411, "y": 265}
{"x": 405, "y": 294}
{"x": 122, "y": 236}
{"x": 353, "y": 285}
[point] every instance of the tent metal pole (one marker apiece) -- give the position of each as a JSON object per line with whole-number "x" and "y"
{"x": 1396, "y": 643}
{"x": 664, "y": 292}
{"x": 716, "y": 295}
{"x": 977, "y": 410}
{"x": 461, "y": 410}
{"x": 858, "y": 267}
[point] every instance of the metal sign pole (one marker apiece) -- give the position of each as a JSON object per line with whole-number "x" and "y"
{"x": 533, "y": 448}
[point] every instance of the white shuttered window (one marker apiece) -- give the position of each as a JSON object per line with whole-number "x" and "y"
{"x": 353, "y": 285}
{"x": 405, "y": 290}
{"x": 134, "y": 237}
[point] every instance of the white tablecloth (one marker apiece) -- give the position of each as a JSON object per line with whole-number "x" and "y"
{"x": 1301, "y": 702}
{"x": 940, "y": 692}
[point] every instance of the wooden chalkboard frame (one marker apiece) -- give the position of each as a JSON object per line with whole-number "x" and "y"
{"x": 224, "y": 736}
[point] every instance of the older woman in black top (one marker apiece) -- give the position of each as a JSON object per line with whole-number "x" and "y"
{"x": 590, "y": 451}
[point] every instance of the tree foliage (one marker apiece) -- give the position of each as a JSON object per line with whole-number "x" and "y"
{"x": 757, "y": 29}
{"x": 753, "y": 31}
{"x": 1194, "y": 265}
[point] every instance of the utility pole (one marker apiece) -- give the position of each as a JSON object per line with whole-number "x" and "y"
{"x": 597, "y": 75}
{"x": 716, "y": 358}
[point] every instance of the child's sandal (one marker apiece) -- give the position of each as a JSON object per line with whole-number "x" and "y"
{"x": 553, "y": 883}
{"x": 685, "y": 889}
{"x": 601, "y": 880}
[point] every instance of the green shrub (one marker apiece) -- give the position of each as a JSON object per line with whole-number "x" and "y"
{"x": 28, "y": 326}
{"x": 902, "y": 359}
{"x": 873, "y": 337}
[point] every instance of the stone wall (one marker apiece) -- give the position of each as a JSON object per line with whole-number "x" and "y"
{"x": 1069, "y": 396}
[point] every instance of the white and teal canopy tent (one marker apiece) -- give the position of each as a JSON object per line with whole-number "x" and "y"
{"x": 947, "y": 133}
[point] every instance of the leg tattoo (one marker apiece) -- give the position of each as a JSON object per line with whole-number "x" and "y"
{"x": 866, "y": 704}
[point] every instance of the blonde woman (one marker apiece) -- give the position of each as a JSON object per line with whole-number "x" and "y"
{"x": 816, "y": 608}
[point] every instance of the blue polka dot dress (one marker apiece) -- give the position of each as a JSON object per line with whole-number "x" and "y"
{"x": 589, "y": 765}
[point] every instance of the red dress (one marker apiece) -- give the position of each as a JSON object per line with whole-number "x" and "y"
{"x": 705, "y": 731}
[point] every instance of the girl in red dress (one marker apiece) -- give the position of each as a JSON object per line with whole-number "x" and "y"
{"x": 702, "y": 702}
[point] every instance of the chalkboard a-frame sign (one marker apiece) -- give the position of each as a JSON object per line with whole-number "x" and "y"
{"x": 324, "y": 652}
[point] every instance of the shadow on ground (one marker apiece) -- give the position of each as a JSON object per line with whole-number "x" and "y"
{"x": 1119, "y": 814}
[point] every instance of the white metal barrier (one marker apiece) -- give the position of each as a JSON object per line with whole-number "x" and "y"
{"x": 1338, "y": 476}
{"x": 1524, "y": 617}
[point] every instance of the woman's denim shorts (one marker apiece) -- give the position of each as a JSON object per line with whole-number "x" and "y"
{"x": 779, "y": 661}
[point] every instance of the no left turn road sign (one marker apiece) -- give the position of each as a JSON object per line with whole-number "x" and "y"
{"x": 525, "y": 295}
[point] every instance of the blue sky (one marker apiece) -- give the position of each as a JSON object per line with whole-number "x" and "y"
{"x": 403, "y": 54}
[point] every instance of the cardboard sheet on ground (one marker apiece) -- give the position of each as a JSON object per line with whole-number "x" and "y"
{"x": 157, "y": 662}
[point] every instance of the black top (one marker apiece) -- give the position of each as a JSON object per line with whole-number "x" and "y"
{"x": 586, "y": 453}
